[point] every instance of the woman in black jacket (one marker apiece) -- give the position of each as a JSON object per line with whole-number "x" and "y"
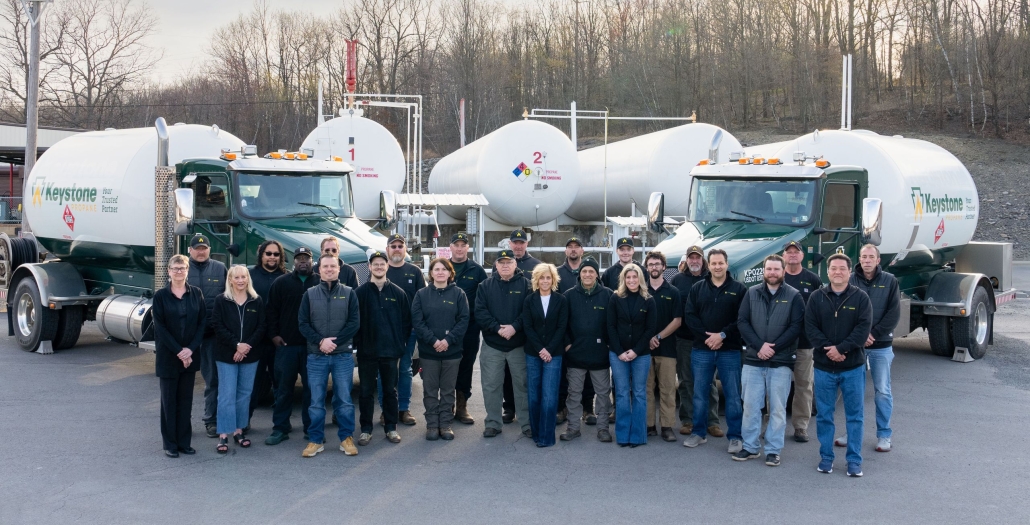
{"x": 179, "y": 319}
{"x": 544, "y": 317}
{"x": 440, "y": 316}
{"x": 631, "y": 325}
{"x": 238, "y": 319}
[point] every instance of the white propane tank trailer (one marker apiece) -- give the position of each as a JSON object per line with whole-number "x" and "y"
{"x": 834, "y": 191}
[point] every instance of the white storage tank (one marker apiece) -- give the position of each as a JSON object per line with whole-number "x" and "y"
{"x": 97, "y": 188}
{"x": 659, "y": 161}
{"x": 374, "y": 152}
{"x": 527, "y": 170}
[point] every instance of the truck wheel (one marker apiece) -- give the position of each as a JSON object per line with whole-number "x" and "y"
{"x": 33, "y": 321}
{"x": 974, "y": 331}
{"x": 69, "y": 324}
{"x": 939, "y": 329}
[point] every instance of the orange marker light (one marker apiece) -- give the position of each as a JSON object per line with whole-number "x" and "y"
{"x": 774, "y": 161}
{"x": 704, "y": 162}
{"x": 229, "y": 156}
{"x": 822, "y": 163}
{"x": 302, "y": 156}
{"x": 758, "y": 161}
{"x": 275, "y": 155}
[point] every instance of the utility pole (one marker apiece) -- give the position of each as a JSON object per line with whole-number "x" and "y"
{"x": 34, "y": 8}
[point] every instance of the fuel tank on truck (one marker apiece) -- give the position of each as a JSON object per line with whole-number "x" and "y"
{"x": 92, "y": 194}
{"x": 659, "y": 161}
{"x": 373, "y": 151}
{"x": 930, "y": 201}
{"x": 527, "y": 170}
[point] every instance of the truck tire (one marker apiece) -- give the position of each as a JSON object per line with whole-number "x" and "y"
{"x": 939, "y": 329}
{"x": 69, "y": 325}
{"x": 33, "y": 321}
{"x": 974, "y": 332}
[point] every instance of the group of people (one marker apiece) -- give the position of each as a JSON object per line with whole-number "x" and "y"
{"x": 554, "y": 344}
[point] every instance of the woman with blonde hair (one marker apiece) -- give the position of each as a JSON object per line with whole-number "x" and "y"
{"x": 544, "y": 318}
{"x": 632, "y": 317}
{"x": 239, "y": 322}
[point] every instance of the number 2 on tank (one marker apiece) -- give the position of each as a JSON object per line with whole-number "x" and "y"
{"x": 537, "y": 157}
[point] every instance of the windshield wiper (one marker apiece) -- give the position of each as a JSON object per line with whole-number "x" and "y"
{"x": 755, "y": 217}
{"x": 323, "y": 206}
{"x": 302, "y": 213}
{"x": 731, "y": 219}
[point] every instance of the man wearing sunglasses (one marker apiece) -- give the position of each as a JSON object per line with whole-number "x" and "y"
{"x": 409, "y": 277}
{"x": 331, "y": 247}
{"x": 272, "y": 264}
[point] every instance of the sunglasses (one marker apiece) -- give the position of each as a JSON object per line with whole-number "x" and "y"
{"x": 273, "y": 254}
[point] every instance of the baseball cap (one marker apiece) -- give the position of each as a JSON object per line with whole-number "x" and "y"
{"x": 519, "y": 235}
{"x": 573, "y": 240}
{"x": 395, "y": 237}
{"x": 624, "y": 241}
{"x": 372, "y": 254}
{"x": 301, "y": 251}
{"x": 505, "y": 254}
{"x": 695, "y": 249}
{"x": 200, "y": 240}
{"x": 793, "y": 244}
{"x": 460, "y": 237}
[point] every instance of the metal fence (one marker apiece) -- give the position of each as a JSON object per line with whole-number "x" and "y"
{"x": 10, "y": 210}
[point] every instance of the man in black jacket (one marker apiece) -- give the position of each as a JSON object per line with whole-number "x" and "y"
{"x": 208, "y": 275}
{"x": 663, "y": 347}
{"x": 385, "y": 324}
{"x": 409, "y": 277}
{"x": 467, "y": 275}
{"x": 770, "y": 319}
{"x": 330, "y": 246}
{"x": 624, "y": 251}
{"x": 692, "y": 269}
{"x": 291, "y": 355}
{"x": 711, "y": 313}
{"x": 568, "y": 278}
{"x": 882, "y": 289}
{"x": 586, "y": 350}
{"x": 806, "y": 282}
{"x": 837, "y": 321}
{"x": 499, "y": 303}
{"x": 519, "y": 241}
{"x": 272, "y": 265}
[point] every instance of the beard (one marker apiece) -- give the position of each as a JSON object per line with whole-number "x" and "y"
{"x": 271, "y": 265}
{"x": 655, "y": 274}
{"x": 396, "y": 259}
{"x": 695, "y": 268}
{"x": 773, "y": 281}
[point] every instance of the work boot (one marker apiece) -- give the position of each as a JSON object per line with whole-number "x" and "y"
{"x": 507, "y": 417}
{"x": 461, "y": 412}
{"x": 405, "y": 417}
{"x": 563, "y": 416}
{"x": 365, "y": 438}
{"x": 668, "y": 434}
{"x": 800, "y": 435}
{"x": 686, "y": 429}
{"x": 604, "y": 436}
{"x": 652, "y": 431}
{"x": 589, "y": 419}
{"x": 393, "y": 437}
{"x": 715, "y": 431}
{"x": 569, "y": 435}
{"x": 432, "y": 434}
{"x": 276, "y": 438}
{"x": 211, "y": 429}
{"x": 446, "y": 434}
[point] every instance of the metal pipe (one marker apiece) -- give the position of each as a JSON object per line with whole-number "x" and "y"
{"x": 713, "y": 149}
{"x": 162, "y": 141}
{"x": 844, "y": 92}
{"x": 850, "y": 71}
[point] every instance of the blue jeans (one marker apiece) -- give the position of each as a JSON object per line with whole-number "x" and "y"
{"x": 403, "y": 377}
{"x": 880, "y": 368}
{"x": 630, "y": 399}
{"x": 320, "y": 367}
{"x": 542, "y": 380}
{"x": 236, "y": 383}
{"x": 852, "y": 388}
{"x": 705, "y": 362}
{"x": 290, "y": 361}
{"x": 755, "y": 384}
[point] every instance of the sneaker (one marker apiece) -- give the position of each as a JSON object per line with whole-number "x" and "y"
{"x": 393, "y": 437}
{"x": 604, "y": 436}
{"x": 365, "y": 438}
{"x": 841, "y": 441}
{"x": 668, "y": 434}
{"x": 276, "y": 438}
{"x": 652, "y": 431}
{"x": 736, "y": 445}
{"x": 715, "y": 431}
{"x": 348, "y": 448}
{"x": 686, "y": 429}
{"x": 883, "y": 445}
{"x": 569, "y": 435}
{"x": 800, "y": 435}
{"x": 405, "y": 417}
{"x": 825, "y": 466}
{"x": 744, "y": 455}
{"x": 211, "y": 429}
{"x": 491, "y": 432}
{"x": 312, "y": 449}
{"x": 694, "y": 440}
{"x": 773, "y": 460}
{"x": 589, "y": 419}
{"x": 446, "y": 434}
{"x": 508, "y": 417}
{"x": 432, "y": 434}
{"x": 854, "y": 470}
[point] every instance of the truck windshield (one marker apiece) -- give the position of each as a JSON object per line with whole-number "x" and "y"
{"x": 270, "y": 195}
{"x": 768, "y": 202}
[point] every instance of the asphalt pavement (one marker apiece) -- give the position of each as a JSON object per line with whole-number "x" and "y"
{"x": 80, "y": 443}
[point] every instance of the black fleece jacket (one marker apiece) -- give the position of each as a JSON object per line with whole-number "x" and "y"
{"x": 838, "y": 320}
{"x": 440, "y": 314}
{"x": 172, "y": 334}
{"x": 468, "y": 279}
{"x": 885, "y": 299}
{"x": 500, "y": 302}
{"x": 711, "y": 308}
{"x": 385, "y": 320}
{"x": 684, "y": 281}
{"x": 631, "y": 323}
{"x": 238, "y": 323}
{"x": 283, "y": 305}
{"x": 587, "y": 332}
{"x": 669, "y": 306}
{"x": 610, "y": 277}
{"x": 545, "y": 331}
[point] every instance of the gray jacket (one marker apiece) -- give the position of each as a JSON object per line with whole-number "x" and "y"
{"x": 209, "y": 276}
{"x": 767, "y": 318}
{"x": 329, "y": 310}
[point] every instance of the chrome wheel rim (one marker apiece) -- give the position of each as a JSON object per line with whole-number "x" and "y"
{"x": 26, "y": 315}
{"x": 980, "y": 323}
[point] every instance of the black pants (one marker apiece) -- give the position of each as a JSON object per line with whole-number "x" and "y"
{"x": 509, "y": 393}
{"x": 368, "y": 369}
{"x": 563, "y": 391}
{"x": 290, "y": 362}
{"x": 176, "y": 408}
{"x": 469, "y": 351}
{"x": 264, "y": 381}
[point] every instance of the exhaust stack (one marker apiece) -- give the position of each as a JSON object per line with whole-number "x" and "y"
{"x": 713, "y": 150}
{"x": 164, "y": 185}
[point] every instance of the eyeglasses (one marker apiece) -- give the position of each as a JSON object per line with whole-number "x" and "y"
{"x": 396, "y": 246}
{"x": 655, "y": 265}
{"x": 272, "y": 254}
{"x": 331, "y": 250}
{"x": 177, "y": 269}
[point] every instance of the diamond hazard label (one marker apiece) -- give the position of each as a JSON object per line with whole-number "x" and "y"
{"x": 522, "y": 171}
{"x": 69, "y": 219}
{"x": 937, "y": 234}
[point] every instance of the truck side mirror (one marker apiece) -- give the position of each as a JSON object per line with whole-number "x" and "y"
{"x": 387, "y": 209}
{"x": 233, "y": 249}
{"x": 872, "y": 220}
{"x": 183, "y": 211}
{"x": 656, "y": 212}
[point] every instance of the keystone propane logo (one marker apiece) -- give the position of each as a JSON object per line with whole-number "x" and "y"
{"x": 79, "y": 199}
{"x": 927, "y": 203}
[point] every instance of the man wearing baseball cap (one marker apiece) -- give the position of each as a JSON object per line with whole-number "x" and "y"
{"x": 692, "y": 269}
{"x": 624, "y": 250}
{"x": 806, "y": 282}
{"x": 208, "y": 275}
{"x": 519, "y": 241}
{"x": 409, "y": 277}
{"x": 467, "y": 275}
{"x": 568, "y": 274}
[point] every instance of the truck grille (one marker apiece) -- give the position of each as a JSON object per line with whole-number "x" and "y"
{"x": 361, "y": 269}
